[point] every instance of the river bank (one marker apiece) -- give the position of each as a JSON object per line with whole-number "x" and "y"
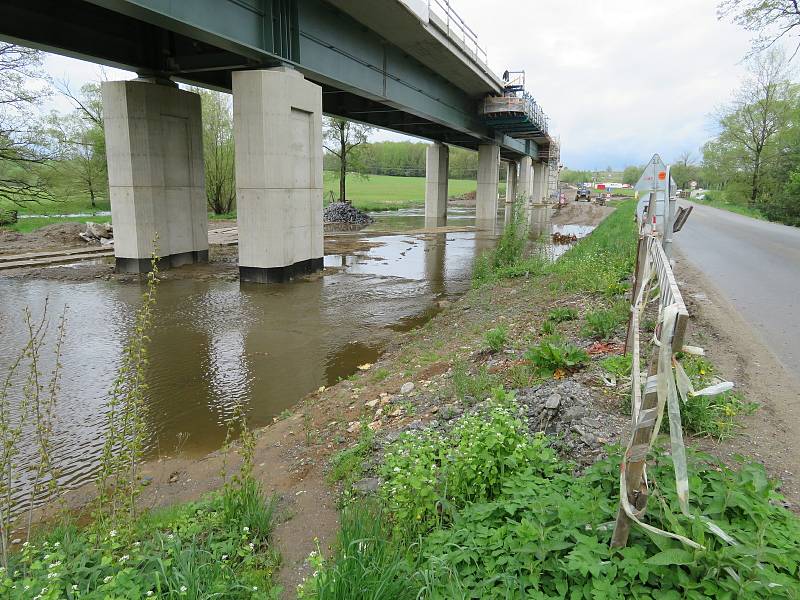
{"x": 331, "y": 451}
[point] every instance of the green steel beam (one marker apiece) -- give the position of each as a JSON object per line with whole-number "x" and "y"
{"x": 202, "y": 41}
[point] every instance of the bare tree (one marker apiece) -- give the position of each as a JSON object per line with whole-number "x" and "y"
{"x": 760, "y": 110}
{"x": 340, "y": 138}
{"x": 770, "y": 20}
{"x": 685, "y": 158}
{"x": 22, "y": 154}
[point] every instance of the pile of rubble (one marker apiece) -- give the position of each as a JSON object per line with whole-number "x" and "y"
{"x": 565, "y": 411}
{"x": 98, "y": 233}
{"x": 343, "y": 212}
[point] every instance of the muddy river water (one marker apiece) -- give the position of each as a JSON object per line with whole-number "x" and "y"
{"x": 218, "y": 342}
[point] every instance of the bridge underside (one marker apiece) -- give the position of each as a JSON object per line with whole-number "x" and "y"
{"x": 286, "y": 63}
{"x": 363, "y": 77}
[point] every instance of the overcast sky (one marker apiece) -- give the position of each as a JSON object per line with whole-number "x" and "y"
{"x": 620, "y": 79}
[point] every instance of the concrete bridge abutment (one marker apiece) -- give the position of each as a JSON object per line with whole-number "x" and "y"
{"x": 488, "y": 174}
{"x": 156, "y": 177}
{"x": 437, "y": 164}
{"x": 277, "y": 125}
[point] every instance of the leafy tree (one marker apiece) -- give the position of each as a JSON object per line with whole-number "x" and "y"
{"x": 218, "y": 150}
{"x": 80, "y": 138}
{"x": 786, "y": 205}
{"x": 22, "y": 155}
{"x": 770, "y": 20}
{"x": 340, "y": 138}
{"x": 575, "y": 177}
{"x": 631, "y": 174}
{"x": 750, "y": 124}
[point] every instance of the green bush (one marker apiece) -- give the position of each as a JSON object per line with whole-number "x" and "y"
{"x": 555, "y": 354}
{"x": 541, "y": 538}
{"x": 496, "y": 338}
{"x": 561, "y": 314}
{"x": 428, "y": 475}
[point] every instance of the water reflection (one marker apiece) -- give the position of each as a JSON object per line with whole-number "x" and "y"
{"x": 216, "y": 342}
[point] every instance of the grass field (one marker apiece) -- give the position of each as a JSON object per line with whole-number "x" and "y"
{"x": 386, "y": 192}
{"x": 617, "y": 191}
{"x": 68, "y": 206}
{"x": 372, "y": 193}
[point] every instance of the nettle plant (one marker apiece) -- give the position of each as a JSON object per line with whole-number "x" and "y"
{"x": 429, "y": 475}
{"x": 554, "y": 354}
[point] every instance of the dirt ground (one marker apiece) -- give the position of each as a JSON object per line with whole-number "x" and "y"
{"x": 58, "y": 236}
{"x": 581, "y": 213}
{"x": 770, "y": 435}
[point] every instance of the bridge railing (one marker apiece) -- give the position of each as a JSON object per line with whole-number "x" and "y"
{"x": 456, "y": 28}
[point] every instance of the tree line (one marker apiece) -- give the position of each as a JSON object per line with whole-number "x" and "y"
{"x": 62, "y": 155}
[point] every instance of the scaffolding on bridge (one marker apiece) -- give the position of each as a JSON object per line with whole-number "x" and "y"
{"x": 515, "y": 113}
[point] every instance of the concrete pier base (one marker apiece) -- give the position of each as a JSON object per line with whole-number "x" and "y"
{"x": 488, "y": 173}
{"x": 437, "y": 163}
{"x": 277, "y": 126}
{"x": 156, "y": 177}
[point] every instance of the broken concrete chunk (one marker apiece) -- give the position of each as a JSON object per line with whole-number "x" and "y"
{"x": 552, "y": 401}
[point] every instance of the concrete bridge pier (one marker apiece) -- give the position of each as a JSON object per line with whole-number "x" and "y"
{"x": 277, "y": 128}
{"x": 488, "y": 174}
{"x": 154, "y": 149}
{"x": 525, "y": 185}
{"x": 539, "y": 182}
{"x": 437, "y": 164}
{"x": 511, "y": 182}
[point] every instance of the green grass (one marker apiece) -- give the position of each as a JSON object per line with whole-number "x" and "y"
{"x": 616, "y": 191}
{"x": 230, "y": 216}
{"x": 219, "y": 547}
{"x": 717, "y": 200}
{"x": 601, "y": 261}
{"x": 386, "y": 192}
{"x": 346, "y": 466}
{"x": 65, "y": 206}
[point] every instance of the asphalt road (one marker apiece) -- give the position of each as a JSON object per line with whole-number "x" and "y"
{"x": 756, "y": 266}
